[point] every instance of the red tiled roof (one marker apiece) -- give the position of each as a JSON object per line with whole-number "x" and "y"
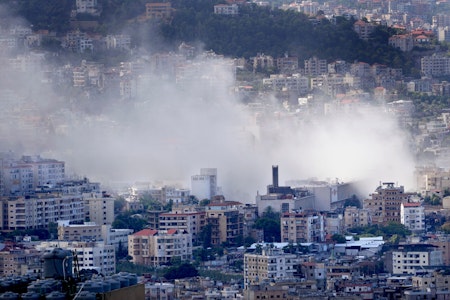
{"x": 146, "y": 232}
{"x": 411, "y": 204}
{"x": 172, "y": 231}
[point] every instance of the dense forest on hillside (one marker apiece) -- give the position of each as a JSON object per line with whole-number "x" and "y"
{"x": 255, "y": 30}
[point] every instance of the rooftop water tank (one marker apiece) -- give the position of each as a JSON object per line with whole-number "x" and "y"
{"x": 58, "y": 264}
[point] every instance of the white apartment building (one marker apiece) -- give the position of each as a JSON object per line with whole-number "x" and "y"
{"x": 412, "y": 215}
{"x": 89, "y": 231}
{"x": 435, "y": 65}
{"x": 158, "y": 247}
{"x": 204, "y": 186}
{"x": 407, "y": 258}
{"x": 226, "y": 9}
{"x": 86, "y": 6}
{"x": 90, "y": 255}
{"x": 271, "y": 264}
{"x": 20, "y": 176}
{"x": 39, "y": 211}
{"x": 281, "y": 82}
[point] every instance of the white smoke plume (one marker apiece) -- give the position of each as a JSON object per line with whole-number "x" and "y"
{"x": 175, "y": 127}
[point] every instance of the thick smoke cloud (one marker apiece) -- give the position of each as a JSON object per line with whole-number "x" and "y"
{"x": 176, "y": 126}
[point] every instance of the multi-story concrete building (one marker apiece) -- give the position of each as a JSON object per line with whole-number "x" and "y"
{"x": 363, "y": 29}
{"x": 304, "y": 227}
{"x": 99, "y": 208}
{"x": 412, "y": 215}
{"x": 18, "y": 260}
{"x": 435, "y": 280}
{"x": 157, "y": 247}
{"x": 89, "y": 231}
{"x": 406, "y": 259}
{"x": 159, "y": 10}
{"x": 384, "y": 204}
{"x": 404, "y": 42}
{"x": 204, "y": 186}
{"x": 435, "y": 65}
{"x": 192, "y": 222}
{"x": 315, "y": 66}
{"x": 281, "y": 82}
{"x": 39, "y": 211}
{"x": 356, "y": 217}
{"x": 226, "y": 221}
{"x": 24, "y": 175}
{"x": 89, "y": 255}
{"x": 431, "y": 180}
{"x": 328, "y": 195}
{"x": 226, "y": 9}
{"x": 271, "y": 264}
{"x": 86, "y": 6}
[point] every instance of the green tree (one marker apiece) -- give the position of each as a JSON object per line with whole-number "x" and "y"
{"x": 183, "y": 271}
{"x": 270, "y": 224}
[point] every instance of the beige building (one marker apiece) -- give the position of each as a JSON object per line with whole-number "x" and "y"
{"x": 191, "y": 221}
{"x": 16, "y": 260}
{"x": 384, "y": 204}
{"x": 99, "y": 208}
{"x": 160, "y": 10}
{"x": 89, "y": 231}
{"x": 356, "y": 217}
{"x": 432, "y": 180}
{"x": 157, "y": 247}
{"x": 407, "y": 258}
{"x": 438, "y": 280}
{"x": 226, "y": 221}
{"x": 305, "y": 227}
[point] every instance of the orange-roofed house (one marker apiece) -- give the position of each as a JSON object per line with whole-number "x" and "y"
{"x": 412, "y": 215}
{"x": 158, "y": 247}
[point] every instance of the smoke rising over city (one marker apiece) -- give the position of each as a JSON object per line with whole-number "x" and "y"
{"x": 175, "y": 126}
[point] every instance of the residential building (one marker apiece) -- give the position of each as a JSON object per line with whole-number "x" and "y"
{"x": 226, "y": 9}
{"x": 86, "y": 6}
{"x": 99, "y": 208}
{"x": 262, "y": 62}
{"x": 363, "y": 29}
{"x": 384, "y": 204}
{"x": 439, "y": 280}
{"x": 271, "y": 264}
{"x": 431, "y": 180}
{"x": 281, "y": 82}
{"x": 18, "y": 260}
{"x": 39, "y": 211}
{"x": 89, "y": 255}
{"x": 226, "y": 221}
{"x": 89, "y": 231}
{"x": 159, "y": 10}
{"x": 356, "y": 217}
{"x": 334, "y": 223}
{"x": 158, "y": 247}
{"x": 315, "y": 66}
{"x": 24, "y": 175}
{"x": 304, "y": 227}
{"x": 404, "y": 42}
{"x": 116, "y": 237}
{"x": 192, "y": 222}
{"x": 409, "y": 257}
{"x": 412, "y": 215}
{"x": 287, "y": 64}
{"x": 444, "y": 34}
{"x": 435, "y": 65}
{"x": 204, "y": 186}
{"x": 442, "y": 242}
